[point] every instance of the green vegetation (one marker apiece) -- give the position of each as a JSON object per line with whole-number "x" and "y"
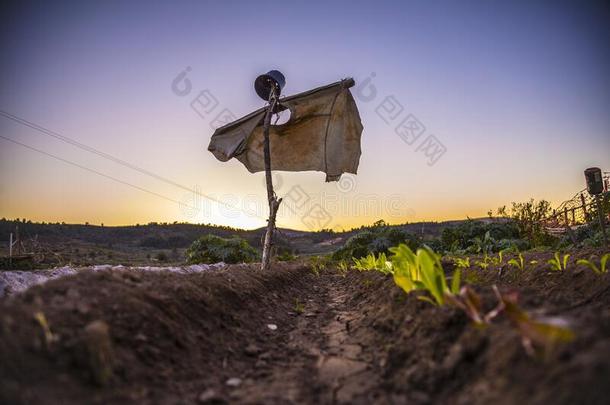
{"x": 343, "y": 267}
{"x": 462, "y": 263}
{"x": 557, "y": 263}
{"x": 377, "y": 239}
{"x": 286, "y": 256}
{"x": 299, "y": 307}
{"x": 497, "y": 260}
{"x": 370, "y": 262}
{"x": 517, "y": 263}
{"x": 213, "y": 249}
{"x": 480, "y": 237}
{"x": 422, "y": 271}
{"x": 319, "y": 263}
{"x": 538, "y": 337}
{"x": 527, "y": 217}
{"x": 602, "y": 265}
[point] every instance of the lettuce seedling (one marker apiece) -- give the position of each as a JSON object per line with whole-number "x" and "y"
{"x": 520, "y": 264}
{"x": 558, "y": 264}
{"x": 602, "y": 265}
{"x": 470, "y": 302}
{"x": 422, "y": 271}
{"x": 462, "y": 263}
{"x": 371, "y": 262}
{"x": 538, "y": 336}
{"x": 496, "y": 261}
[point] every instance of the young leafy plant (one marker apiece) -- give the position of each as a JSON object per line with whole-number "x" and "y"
{"x": 371, "y": 262}
{"x": 470, "y": 302}
{"x": 299, "y": 307}
{"x": 343, "y": 267}
{"x": 520, "y": 263}
{"x": 538, "y": 336}
{"x": 496, "y": 261}
{"x": 461, "y": 263}
{"x": 558, "y": 264}
{"x": 602, "y": 265}
{"x": 318, "y": 263}
{"x": 484, "y": 263}
{"x": 422, "y": 270}
{"x": 432, "y": 277}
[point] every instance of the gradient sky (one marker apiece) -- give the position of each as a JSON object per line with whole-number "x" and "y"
{"x": 519, "y": 94}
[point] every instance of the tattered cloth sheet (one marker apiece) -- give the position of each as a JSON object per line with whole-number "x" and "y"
{"x": 322, "y": 134}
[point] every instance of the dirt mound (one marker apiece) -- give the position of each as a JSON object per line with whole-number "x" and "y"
{"x": 238, "y": 335}
{"x": 172, "y": 336}
{"x": 426, "y": 354}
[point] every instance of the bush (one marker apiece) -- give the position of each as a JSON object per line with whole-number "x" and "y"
{"x": 463, "y": 236}
{"x": 161, "y": 257}
{"x": 213, "y": 249}
{"x": 286, "y": 256}
{"x": 528, "y": 217}
{"x": 377, "y": 239}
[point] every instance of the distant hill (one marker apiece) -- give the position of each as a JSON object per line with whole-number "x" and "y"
{"x": 181, "y": 235}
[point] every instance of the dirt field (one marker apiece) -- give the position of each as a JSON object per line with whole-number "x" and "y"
{"x": 238, "y": 335}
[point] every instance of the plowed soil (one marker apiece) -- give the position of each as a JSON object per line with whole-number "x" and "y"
{"x": 239, "y": 335}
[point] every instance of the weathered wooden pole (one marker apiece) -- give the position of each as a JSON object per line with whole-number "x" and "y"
{"x": 274, "y": 203}
{"x": 600, "y": 214}
{"x": 568, "y": 229}
{"x": 584, "y": 205}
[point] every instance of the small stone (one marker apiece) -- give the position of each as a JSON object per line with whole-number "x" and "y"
{"x": 233, "y": 382}
{"x": 252, "y": 350}
{"x": 209, "y": 396}
{"x": 272, "y": 326}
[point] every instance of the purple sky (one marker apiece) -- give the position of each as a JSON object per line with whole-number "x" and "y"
{"x": 518, "y": 94}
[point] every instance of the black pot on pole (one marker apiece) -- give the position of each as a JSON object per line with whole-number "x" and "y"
{"x": 264, "y": 84}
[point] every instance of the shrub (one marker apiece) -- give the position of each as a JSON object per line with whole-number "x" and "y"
{"x": 213, "y": 249}
{"x": 286, "y": 256}
{"x": 461, "y": 237}
{"x": 161, "y": 257}
{"x": 528, "y": 216}
{"x": 377, "y": 239}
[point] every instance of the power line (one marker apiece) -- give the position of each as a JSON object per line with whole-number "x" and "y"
{"x": 89, "y": 169}
{"x": 114, "y": 159}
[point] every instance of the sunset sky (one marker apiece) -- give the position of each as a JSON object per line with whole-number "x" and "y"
{"x": 518, "y": 94}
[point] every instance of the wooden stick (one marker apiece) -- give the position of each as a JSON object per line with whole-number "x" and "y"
{"x": 568, "y": 229}
{"x": 274, "y": 203}
{"x": 602, "y": 221}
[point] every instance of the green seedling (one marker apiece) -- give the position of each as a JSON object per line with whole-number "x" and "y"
{"x": 299, "y": 307}
{"x": 558, "y": 264}
{"x": 371, "y": 262}
{"x": 432, "y": 277}
{"x": 470, "y": 302}
{"x": 49, "y": 337}
{"x": 462, "y": 263}
{"x": 520, "y": 263}
{"x": 538, "y": 336}
{"x": 496, "y": 261}
{"x": 483, "y": 264}
{"x": 422, "y": 271}
{"x": 343, "y": 267}
{"x": 317, "y": 264}
{"x": 602, "y": 264}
